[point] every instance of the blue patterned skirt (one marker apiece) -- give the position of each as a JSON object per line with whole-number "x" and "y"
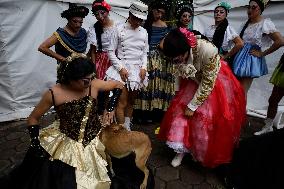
{"x": 247, "y": 65}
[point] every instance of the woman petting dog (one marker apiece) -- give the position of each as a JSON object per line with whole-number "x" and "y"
{"x": 206, "y": 115}
{"x": 69, "y": 153}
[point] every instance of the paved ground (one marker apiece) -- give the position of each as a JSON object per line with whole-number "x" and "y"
{"x": 14, "y": 141}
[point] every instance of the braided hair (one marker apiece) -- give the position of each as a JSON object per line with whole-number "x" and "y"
{"x": 218, "y": 36}
{"x": 99, "y": 29}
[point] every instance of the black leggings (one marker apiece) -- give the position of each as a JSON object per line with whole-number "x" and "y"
{"x": 274, "y": 99}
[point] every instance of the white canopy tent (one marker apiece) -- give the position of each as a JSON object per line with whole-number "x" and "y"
{"x": 26, "y": 73}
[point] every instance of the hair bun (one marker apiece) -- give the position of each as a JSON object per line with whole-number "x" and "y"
{"x": 75, "y": 11}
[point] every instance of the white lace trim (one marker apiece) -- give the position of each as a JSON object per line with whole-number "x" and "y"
{"x": 178, "y": 147}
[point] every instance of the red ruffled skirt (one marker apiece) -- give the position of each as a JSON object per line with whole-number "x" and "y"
{"x": 102, "y": 64}
{"x": 212, "y": 133}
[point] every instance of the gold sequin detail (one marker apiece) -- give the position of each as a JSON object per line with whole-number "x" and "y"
{"x": 85, "y": 120}
{"x": 210, "y": 67}
{"x": 62, "y": 42}
{"x": 79, "y": 120}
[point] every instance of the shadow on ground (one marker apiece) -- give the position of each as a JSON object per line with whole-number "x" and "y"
{"x": 14, "y": 141}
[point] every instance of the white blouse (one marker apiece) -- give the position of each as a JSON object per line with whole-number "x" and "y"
{"x": 128, "y": 46}
{"x": 229, "y": 36}
{"x": 92, "y": 37}
{"x": 257, "y": 33}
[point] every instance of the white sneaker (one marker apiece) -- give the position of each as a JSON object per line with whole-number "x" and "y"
{"x": 267, "y": 128}
{"x": 264, "y": 130}
{"x": 177, "y": 159}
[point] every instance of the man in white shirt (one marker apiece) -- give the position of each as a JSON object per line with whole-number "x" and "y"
{"x": 128, "y": 55}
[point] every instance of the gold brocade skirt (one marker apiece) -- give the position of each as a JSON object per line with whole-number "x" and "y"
{"x": 161, "y": 85}
{"x": 89, "y": 161}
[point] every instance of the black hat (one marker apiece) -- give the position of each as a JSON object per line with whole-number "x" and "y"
{"x": 261, "y": 3}
{"x": 75, "y": 11}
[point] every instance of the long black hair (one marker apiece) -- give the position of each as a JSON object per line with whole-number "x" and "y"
{"x": 218, "y": 36}
{"x": 175, "y": 44}
{"x": 99, "y": 29}
{"x": 244, "y": 28}
{"x": 219, "y": 33}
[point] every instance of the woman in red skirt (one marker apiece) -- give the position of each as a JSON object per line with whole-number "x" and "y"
{"x": 206, "y": 115}
{"x": 99, "y": 37}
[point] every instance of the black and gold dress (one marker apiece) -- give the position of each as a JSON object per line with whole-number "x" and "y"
{"x": 75, "y": 156}
{"x": 73, "y": 139}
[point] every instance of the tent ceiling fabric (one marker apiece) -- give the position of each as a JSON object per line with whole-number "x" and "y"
{"x": 117, "y": 3}
{"x": 206, "y": 5}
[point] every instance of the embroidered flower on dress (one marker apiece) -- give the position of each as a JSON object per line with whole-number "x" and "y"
{"x": 185, "y": 70}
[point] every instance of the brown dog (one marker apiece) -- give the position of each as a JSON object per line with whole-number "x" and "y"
{"x": 120, "y": 143}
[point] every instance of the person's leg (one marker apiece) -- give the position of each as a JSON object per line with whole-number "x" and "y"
{"x": 177, "y": 159}
{"x": 129, "y": 108}
{"x": 122, "y": 103}
{"x": 246, "y": 83}
{"x": 274, "y": 99}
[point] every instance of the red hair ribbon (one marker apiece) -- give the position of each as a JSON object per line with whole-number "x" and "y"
{"x": 191, "y": 38}
{"x": 103, "y": 4}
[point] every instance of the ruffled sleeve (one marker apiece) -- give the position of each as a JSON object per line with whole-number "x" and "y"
{"x": 91, "y": 36}
{"x": 229, "y": 36}
{"x": 209, "y": 32}
{"x": 210, "y": 66}
{"x": 268, "y": 27}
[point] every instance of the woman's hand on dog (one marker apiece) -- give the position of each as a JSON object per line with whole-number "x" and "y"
{"x": 108, "y": 117}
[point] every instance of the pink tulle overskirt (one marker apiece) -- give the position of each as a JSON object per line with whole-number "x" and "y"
{"x": 212, "y": 133}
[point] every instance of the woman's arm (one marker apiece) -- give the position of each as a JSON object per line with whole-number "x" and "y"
{"x": 45, "y": 48}
{"x": 106, "y": 85}
{"x": 238, "y": 45}
{"x": 210, "y": 66}
{"x": 278, "y": 42}
{"x": 41, "y": 108}
{"x": 116, "y": 88}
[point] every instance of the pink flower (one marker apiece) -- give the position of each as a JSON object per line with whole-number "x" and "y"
{"x": 191, "y": 38}
{"x": 103, "y": 4}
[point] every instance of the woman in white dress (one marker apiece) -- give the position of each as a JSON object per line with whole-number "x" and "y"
{"x": 223, "y": 35}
